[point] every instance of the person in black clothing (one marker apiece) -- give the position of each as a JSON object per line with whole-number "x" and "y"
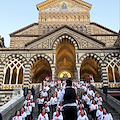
{"x": 68, "y": 99}
{"x": 0, "y": 116}
{"x": 33, "y": 91}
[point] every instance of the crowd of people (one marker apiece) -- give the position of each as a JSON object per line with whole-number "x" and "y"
{"x": 88, "y": 103}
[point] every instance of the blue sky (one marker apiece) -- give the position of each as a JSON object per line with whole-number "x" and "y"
{"x": 16, "y": 14}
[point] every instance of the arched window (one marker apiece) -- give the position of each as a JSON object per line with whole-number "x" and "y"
{"x": 52, "y": 28}
{"x": 64, "y": 6}
{"x": 41, "y": 19}
{"x": 113, "y": 69}
{"x": 85, "y": 29}
{"x": 76, "y": 28}
{"x": 13, "y": 72}
{"x": 81, "y": 29}
{"x": 78, "y": 18}
{"x": 43, "y": 30}
{"x": 45, "y": 19}
{"x": 47, "y": 29}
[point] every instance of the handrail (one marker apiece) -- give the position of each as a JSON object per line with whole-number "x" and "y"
{"x": 113, "y": 102}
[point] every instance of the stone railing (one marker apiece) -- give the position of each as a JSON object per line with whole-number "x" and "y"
{"x": 8, "y": 110}
{"x": 110, "y": 85}
{"x": 114, "y": 103}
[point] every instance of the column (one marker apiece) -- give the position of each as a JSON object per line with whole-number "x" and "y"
{"x": 54, "y": 58}
{"x": 119, "y": 70}
{"x": 104, "y": 73}
{"x": 76, "y": 56}
{"x": 11, "y": 72}
{"x": 1, "y": 74}
{"x": 113, "y": 74}
{"x": 26, "y": 72}
{"x": 53, "y": 73}
{"x": 17, "y": 75}
{"x": 78, "y": 73}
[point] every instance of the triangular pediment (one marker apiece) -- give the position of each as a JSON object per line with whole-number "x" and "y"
{"x": 47, "y": 41}
{"x": 68, "y": 5}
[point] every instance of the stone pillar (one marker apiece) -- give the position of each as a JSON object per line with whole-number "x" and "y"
{"x": 119, "y": 70}
{"x": 1, "y": 74}
{"x": 113, "y": 72}
{"x": 104, "y": 73}
{"x": 26, "y": 72}
{"x": 54, "y": 58}
{"x": 76, "y": 57}
{"x": 78, "y": 73}
{"x": 53, "y": 73}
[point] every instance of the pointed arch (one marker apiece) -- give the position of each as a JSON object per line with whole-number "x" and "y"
{"x": 112, "y": 62}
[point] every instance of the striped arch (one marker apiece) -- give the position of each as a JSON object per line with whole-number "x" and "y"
{"x": 68, "y": 38}
{"x": 94, "y": 56}
{"x": 22, "y": 58}
{"x": 37, "y": 56}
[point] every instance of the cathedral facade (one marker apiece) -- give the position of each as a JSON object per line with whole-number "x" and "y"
{"x": 63, "y": 42}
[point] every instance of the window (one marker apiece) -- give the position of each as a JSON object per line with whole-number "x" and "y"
{"x": 13, "y": 72}
{"x": 43, "y": 30}
{"x": 78, "y": 18}
{"x": 52, "y": 28}
{"x": 113, "y": 69}
{"x": 64, "y": 6}
{"x": 81, "y": 29}
{"x": 85, "y": 29}
{"x": 47, "y": 29}
{"x": 76, "y": 28}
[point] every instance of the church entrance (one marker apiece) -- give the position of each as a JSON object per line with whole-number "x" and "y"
{"x": 65, "y": 60}
{"x": 40, "y": 69}
{"x": 89, "y": 68}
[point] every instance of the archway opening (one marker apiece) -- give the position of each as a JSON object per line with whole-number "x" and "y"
{"x": 90, "y": 67}
{"x": 65, "y": 59}
{"x": 40, "y": 69}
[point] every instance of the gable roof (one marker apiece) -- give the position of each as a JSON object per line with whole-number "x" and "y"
{"x": 22, "y": 29}
{"x": 65, "y": 26}
{"x": 103, "y": 27}
{"x": 48, "y": 2}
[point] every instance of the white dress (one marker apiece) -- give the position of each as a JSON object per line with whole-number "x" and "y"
{"x": 98, "y": 100}
{"x": 60, "y": 117}
{"x": 82, "y": 117}
{"x": 93, "y": 107}
{"x": 53, "y": 101}
{"x": 23, "y": 115}
{"x": 107, "y": 117}
{"x": 43, "y": 117}
{"x": 99, "y": 114}
{"x": 17, "y": 118}
{"x": 28, "y": 110}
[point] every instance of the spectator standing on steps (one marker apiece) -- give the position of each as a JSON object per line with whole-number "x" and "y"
{"x": 33, "y": 91}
